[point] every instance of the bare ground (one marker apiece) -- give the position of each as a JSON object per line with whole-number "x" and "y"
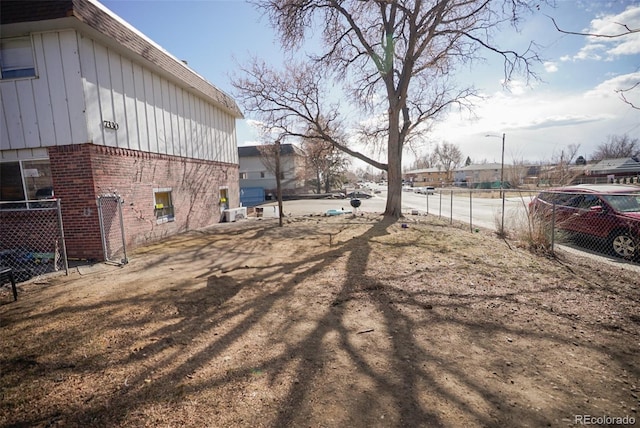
{"x": 325, "y": 322}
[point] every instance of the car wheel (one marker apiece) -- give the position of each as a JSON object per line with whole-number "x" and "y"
{"x": 624, "y": 245}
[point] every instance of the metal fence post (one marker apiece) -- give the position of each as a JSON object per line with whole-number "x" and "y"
{"x": 553, "y": 227}
{"x": 120, "y": 201}
{"x": 451, "y": 209}
{"x": 102, "y": 232}
{"x": 62, "y": 241}
{"x": 471, "y": 210}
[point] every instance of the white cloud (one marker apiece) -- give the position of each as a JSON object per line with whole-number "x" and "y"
{"x": 627, "y": 83}
{"x": 550, "y": 67}
{"x": 622, "y": 43}
{"x": 516, "y": 87}
{"x": 543, "y": 121}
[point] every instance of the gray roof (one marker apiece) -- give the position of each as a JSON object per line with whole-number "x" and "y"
{"x": 95, "y": 19}
{"x": 614, "y": 166}
{"x": 252, "y": 151}
{"x": 424, "y": 171}
{"x": 481, "y": 167}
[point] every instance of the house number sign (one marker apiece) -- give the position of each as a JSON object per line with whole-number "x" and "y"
{"x": 110, "y": 125}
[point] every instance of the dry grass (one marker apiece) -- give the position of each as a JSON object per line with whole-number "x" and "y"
{"x": 325, "y": 322}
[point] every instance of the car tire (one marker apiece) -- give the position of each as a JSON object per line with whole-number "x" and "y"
{"x": 624, "y": 245}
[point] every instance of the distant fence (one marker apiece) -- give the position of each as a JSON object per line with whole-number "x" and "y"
{"x": 32, "y": 238}
{"x": 603, "y": 223}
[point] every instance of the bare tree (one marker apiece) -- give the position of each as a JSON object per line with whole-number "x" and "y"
{"x": 394, "y": 59}
{"x": 449, "y": 157}
{"x": 617, "y": 146}
{"x": 427, "y": 160}
{"x": 563, "y": 161}
{"x": 270, "y": 157}
{"x": 325, "y": 162}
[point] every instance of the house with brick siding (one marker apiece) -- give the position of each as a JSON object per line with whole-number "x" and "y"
{"x": 91, "y": 107}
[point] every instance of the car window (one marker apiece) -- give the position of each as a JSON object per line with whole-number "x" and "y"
{"x": 555, "y": 197}
{"x": 573, "y": 200}
{"x": 588, "y": 201}
{"x": 624, "y": 203}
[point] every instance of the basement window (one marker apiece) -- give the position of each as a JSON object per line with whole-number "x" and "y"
{"x": 16, "y": 58}
{"x": 25, "y": 180}
{"x": 163, "y": 206}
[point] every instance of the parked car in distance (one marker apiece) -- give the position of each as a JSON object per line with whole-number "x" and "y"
{"x": 607, "y": 212}
{"x": 359, "y": 195}
{"x": 428, "y": 190}
{"x": 337, "y": 195}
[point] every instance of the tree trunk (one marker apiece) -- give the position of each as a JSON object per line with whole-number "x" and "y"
{"x": 318, "y": 181}
{"x": 393, "y": 208}
{"x": 327, "y": 181}
{"x": 278, "y": 184}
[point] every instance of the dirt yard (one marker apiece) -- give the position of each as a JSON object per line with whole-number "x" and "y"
{"x": 325, "y": 322}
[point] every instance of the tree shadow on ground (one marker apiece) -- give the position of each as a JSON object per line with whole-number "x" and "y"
{"x": 188, "y": 338}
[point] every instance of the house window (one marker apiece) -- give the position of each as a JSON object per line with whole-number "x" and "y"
{"x": 163, "y": 208}
{"x": 16, "y": 58}
{"x": 243, "y": 176}
{"x": 25, "y": 180}
{"x": 261, "y": 174}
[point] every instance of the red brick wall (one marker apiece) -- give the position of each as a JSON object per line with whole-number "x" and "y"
{"x": 81, "y": 173}
{"x": 73, "y": 184}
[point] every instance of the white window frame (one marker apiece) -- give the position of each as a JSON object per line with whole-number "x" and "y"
{"x": 19, "y": 64}
{"x": 25, "y": 175}
{"x": 163, "y": 214}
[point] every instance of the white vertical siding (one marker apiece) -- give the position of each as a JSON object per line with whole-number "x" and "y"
{"x": 166, "y": 117}
{"x": 57, "y": 93}
{"x": 175, "y": 124}
{"x": 91, "y": 91}
{"x": 72, "y": 78}
{"x": 105, "y": 102}
{"x": 182, "y": 123}
{"x": 141, "y": 111}
{"x": 28, "y": 109}
{"x": 28, "y": 115}
{"x": 4, "y": 133}
{"x": 158, "y": 113}
{"x": 152, "y": 134}
{"x": 118, "y": 137}
{"x": 130, "y": 107}
{"x": 44, "y": 109}
{"x": 11, "y": 106}
{"x": 80, "y": 83}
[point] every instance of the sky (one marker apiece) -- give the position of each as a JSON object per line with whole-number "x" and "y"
{"x": 574, "y": 101}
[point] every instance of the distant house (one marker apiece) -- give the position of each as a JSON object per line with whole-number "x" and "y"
{"x": 426, "y": 177}
{"x": 257, "y": 174}
{"x": 620, "y": 170}
{"x": 91, "y": 107}
{"x": 483, "y": 175}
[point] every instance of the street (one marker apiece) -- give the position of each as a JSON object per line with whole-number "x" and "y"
{"x": 454, "y": 204}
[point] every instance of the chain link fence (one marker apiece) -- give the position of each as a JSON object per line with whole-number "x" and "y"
{"x": 604, "y": 223}
{"x": 112, "y": 228}
{"x": 32, "y": 238}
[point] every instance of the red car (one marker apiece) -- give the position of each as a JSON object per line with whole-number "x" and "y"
{"x": 607, "y": 212}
